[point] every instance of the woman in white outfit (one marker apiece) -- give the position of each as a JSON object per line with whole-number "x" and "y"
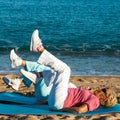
{"x": 52, "y": 76}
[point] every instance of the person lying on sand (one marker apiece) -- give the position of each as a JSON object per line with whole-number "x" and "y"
{"x": 61, "y": 97}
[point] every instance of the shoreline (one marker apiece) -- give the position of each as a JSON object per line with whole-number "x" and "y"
{"x": 79, "y": 81}
{"x": 18, "y": 73}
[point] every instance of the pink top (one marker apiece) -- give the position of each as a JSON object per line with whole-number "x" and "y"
{"x": 78, "y": 96}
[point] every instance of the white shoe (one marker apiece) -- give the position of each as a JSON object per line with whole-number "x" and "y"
{"x": 31, "y": 76}
{"x": 16, "y": 60}
{"x": 14, "y": 83}
{"x": 35, "y": 42}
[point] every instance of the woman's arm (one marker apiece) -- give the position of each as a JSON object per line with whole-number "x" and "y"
{"x": 81, "y": 109}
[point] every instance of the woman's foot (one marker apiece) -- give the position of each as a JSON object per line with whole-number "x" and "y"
{"x": 36, "y": 44}
{"x": 12, "y": 82}
{"x": 15, "y": 59}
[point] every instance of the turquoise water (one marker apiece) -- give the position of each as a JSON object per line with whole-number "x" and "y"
{"x": 85, "y": 34}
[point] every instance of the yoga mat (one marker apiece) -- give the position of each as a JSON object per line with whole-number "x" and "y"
{"x": 17, "y": 98}
{"x": 32, "y": 109}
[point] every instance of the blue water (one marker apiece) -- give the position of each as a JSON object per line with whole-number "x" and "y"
{"x": 83, "y": 33}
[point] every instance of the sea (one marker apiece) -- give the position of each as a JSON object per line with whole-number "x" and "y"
{"x": 85, "y": 34}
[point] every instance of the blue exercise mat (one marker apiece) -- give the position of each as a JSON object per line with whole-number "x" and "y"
{"x": 17, "y": 98}
{"x": 31, "y": 108}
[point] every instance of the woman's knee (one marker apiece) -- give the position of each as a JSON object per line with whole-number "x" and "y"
{"x": 67, "y": 70}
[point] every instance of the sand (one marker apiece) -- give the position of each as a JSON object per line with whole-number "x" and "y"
{"x": 80, "y": 81}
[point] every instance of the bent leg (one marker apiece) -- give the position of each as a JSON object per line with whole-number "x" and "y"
{"x": 46, "y": 71}
{"x": 54, "y": 63}
{"x": 59, "y": 90}
{"x": 41, "y": 89}
{"x": 34, "y": 66}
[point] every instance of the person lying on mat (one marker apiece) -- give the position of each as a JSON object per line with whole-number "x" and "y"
{"x": 61, "y": 97}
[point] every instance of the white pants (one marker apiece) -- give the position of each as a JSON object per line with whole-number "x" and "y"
{"x": 59, "y": 90}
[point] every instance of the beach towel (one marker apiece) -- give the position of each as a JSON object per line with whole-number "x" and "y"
{"x": 12, "y": 103}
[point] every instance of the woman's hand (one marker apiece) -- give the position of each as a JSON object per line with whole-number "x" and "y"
{"x": 81, "y": 109}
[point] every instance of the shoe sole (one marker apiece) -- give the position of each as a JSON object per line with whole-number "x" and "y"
{"x": 6, "y": 81}
{"x": 31, "y": 43}
{"x": 11, "y": 54}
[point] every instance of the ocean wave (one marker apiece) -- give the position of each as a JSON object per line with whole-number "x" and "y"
{"x": 72, "y": 50}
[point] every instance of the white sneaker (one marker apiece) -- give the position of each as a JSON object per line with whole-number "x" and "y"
{"x": 35, "y": 42}
{"x": 14, "y": 83}
{"x": 16, "y": 60}
{"x": 31, "y": 76}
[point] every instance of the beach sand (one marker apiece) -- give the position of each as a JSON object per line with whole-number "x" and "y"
{"x": 81, "y": 81}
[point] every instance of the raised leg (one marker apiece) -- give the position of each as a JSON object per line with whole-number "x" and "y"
{"x": 61, "y": 73}
{"x": 59, "y": 90}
